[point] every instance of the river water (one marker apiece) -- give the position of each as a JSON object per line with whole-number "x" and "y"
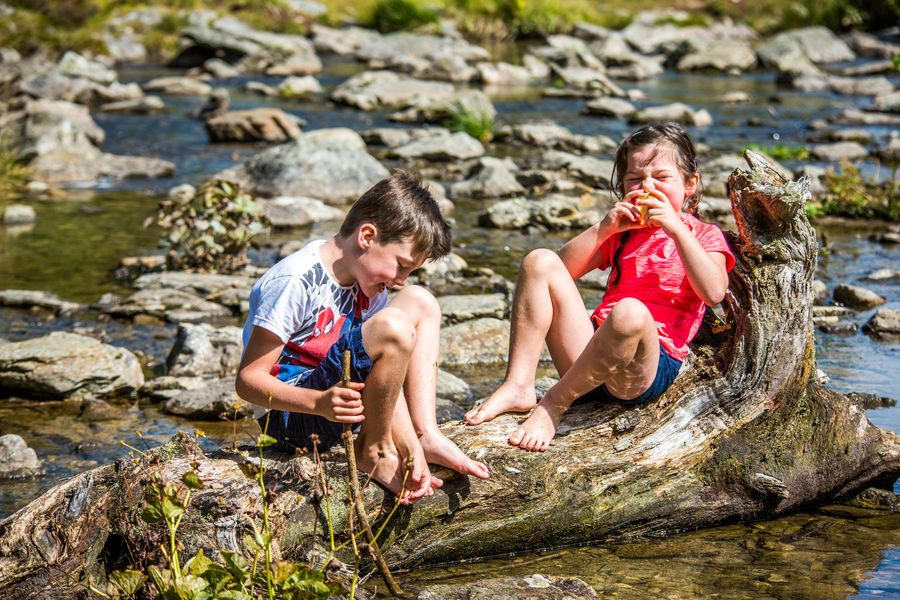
{"x": 78, "y": 240}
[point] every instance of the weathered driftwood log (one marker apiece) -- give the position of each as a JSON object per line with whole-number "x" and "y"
{"x": 744, "y": 433}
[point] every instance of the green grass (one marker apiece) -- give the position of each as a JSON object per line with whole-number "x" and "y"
{"x": 779, "y": 152}
{"x": 13, "y": 173}
{"x": 849, "y": 194}
{"x": 479, "y": 126}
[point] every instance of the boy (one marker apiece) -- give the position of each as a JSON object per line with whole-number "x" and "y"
{"x": 331, "y": 296}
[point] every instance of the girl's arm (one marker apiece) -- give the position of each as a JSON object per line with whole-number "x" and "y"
{"x": 580, "y": 254}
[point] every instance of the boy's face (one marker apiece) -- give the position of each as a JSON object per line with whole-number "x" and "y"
{"x": 383, "y": 266}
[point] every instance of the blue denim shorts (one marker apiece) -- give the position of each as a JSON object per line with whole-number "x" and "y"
{"x": 292, "y": 430}
{"x": 666, "y": 372}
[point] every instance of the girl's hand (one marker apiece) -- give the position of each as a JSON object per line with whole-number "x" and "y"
{"x": 624, "y": 215}
{"x": 660, "y": 212}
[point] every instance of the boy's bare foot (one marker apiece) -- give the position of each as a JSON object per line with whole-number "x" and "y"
{"x": 538, "y": 429}
{"x": 440, "y": 450}
{"x": 388, "y": 470}
{"x": 508, "y": 398}
{"x": 421, "y": 482}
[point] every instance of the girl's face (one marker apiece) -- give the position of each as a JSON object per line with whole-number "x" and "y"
{"x": 655, "y": 168}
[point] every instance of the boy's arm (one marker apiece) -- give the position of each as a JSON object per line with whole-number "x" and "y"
{"x": 254, "y": 383}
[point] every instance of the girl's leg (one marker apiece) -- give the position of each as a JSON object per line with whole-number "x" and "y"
{"x": 547, "y": 307}
{"x": 623, "y": 353}
{"x": 421, "y": 383}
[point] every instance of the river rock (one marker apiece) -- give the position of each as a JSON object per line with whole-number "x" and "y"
{"x": 490, "y": 178}
{"x": 887, "y": 102}
{"x": 868, "y": 44}
{"x": 18, "y": 214}
{"x": 373, "y": 90}
{"x": 142, "y": 105}
{"x": 459, "y": 308}
{"x": 75, "y": 65}
{"x": 441, "y": 267}
{"x": 41, "y": 126}
{"x": 324, "y": 168}
{"x": 857, "y": 297}
{"x": 586, "y": 78}
{"x": 556, "y": 212}
{"x": 304, "y": 62}
{"x": 447, "y": 410}
{"x": 452, "y": 388}
{"x": 33, "y": 298}
{"x": 214, "y": 287}
{"x": 890, "y": 152}
{"x": 290, "y": 211}
{"x": 839, "y": 151}
{"x": 16, "y": 458}
{"x": 818, "y": 44}
{"x": 543, "y": 134}
{"x": 820, "y": 292}
{"x": 255, "y": 125}
{"x": 456, "y": 146}
{"x": 678, "y": 112}
{"x": 531, "y": 587}
{"x": 503, "y": 74}
{"x": 168, "y": 304}
{"x": 886, "y": 275}
{"x": 65, "y": 364}
{"x": 201, "y": 350}
{"x": 299, "y": 87}
{"x": 482, "y": 341}
{"x": 854, "y": 116}
{"x": 405, "y": 48}
{"x": 341, "y": 41}
{"x": 592, "y": 171}
{"x": 839, "y": 328}
{"x": 473, "y": 103}
{"x": 177, "y": 86}
{"x": 730, "y": 56}
{"x": 884, "y": 325}
{"x": 87, "y": 164}
{"x": 219, "y": 69}
{"x": 167, "y": 387}
{"x": 610, "y": 107}
{"x": 215, "y": 400}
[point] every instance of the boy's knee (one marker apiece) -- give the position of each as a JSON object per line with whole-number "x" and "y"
{"x": 541, "y": 260}
{"x": 629, "y": 318}
{"x": 421, "y": 300}
{"x": 390, "y": 329}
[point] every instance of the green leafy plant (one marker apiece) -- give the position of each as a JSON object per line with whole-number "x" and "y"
{"x": 398, "y": 15}
{"x": 780, "y": 152}
{"x": 477, "y": 124}
{"x": 210, "y": 231}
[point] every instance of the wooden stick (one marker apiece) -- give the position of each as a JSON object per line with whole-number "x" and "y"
{"x": 356, "y": 495}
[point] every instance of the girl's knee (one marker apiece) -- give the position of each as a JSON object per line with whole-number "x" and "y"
{"x": 630, "y": 318}
{"x": 390, "y": 328}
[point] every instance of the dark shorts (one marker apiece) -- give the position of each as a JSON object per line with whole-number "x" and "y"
{"x": 666, "y": 372}
{"x": 292, "y": 430}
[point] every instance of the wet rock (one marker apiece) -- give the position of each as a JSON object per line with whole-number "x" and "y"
{"x": 258, "y": 87}
{"x": 41, "y": 126}
{"x": 820, "y": 292}
{"x": 325, "y": 168}
{"x": 373, "y": 90}
{"x": 65, "y": 364}
{"x": 586, "y": 78}
{"x": 729, "y": 56}
{"x": 857, "y": 297}
{"x": 341, "y": 41}
{"x": 482, "y": 341}
{"x": 869, "y": 401}
{"x": 215, "y": 400}
{"x": 220, "y": 69}
{"x": 289, "y": 211}
{"x": 860, "y": 86}
{"x": 824, "y": 312}
{"x": 884, "y": 275}
{"x": 18, "y": 214}
{"x": 299, "y": 87}
{"x": 95, "y": 411}
{"x": 456, "y": 146}
{"x": 304, "y": 62}
{"x": 227, "y": 290}
{"x": 555, "y": 212}
{"x": 592, "y": 171}
{"x": 168, "y": 304}
{"x": 142, "y": 105}
{"x": 532, "y": 587}
{"x": 75, "y": 65}
{"x": 503, "y": 74}
{"x": 167, "y": 387}
{"x": 884, "y": 325}
{"x": 854, "y": 116}
{"x": 474, "y": 103}
{"x": 256, "y": 125}
{"x": 736, "y": 97}
{"x": 177, "y": 86}
{"x": 678, "y": 112}
{"x": 31, "y": 299}
{"x": 818, "y": 44}
{"x": 456, "y": 309}
{"x": 871, "y": 45}
{"x": 887, "y": 102}
{"x": 452, "y": 388}
{"x": 838, "y": 151}
{"x": 87, "y": 164}
{"x": 490, "y": 178}
{"x": 542, "y": 134}
{"x": 446, "y": 410}
{"x": 16, "y": 458}
{"x": 610, "y": 107}
{"x": 201, "y": 350}
{"x": 890, "y": 152}
{"x": 839, "y": 328}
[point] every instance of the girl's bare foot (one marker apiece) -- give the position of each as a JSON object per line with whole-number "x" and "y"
{"x": 538, "y": 429}
{"x": 440, "y": 450}
{"x": 508, "y": 398}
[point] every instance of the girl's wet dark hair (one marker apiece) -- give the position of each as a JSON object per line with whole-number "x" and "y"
{"x": 665, "y": 136}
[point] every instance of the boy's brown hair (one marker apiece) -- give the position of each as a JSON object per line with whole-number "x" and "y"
{"x": 403, "y": 210}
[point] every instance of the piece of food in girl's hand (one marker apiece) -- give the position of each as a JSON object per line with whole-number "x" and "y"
{"x": 645, "y": 210}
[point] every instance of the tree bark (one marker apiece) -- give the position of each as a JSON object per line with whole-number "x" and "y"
{"x": 744, "y": 433}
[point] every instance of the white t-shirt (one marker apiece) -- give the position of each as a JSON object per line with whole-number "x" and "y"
{"x": 299, "y": 301}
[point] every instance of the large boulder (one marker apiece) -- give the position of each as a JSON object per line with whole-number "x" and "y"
{"x": 290, "y": 211}
{"x": 86, "y": 164}
{"x": 201, "y": 350}
{"x": 556, "y": 212}
{"x": 423, "y": 55}
{"x": 328, "y": 169}
{"x": 491, "y": 178}
{"x": 456, "y": 146}
{"x": 228, "y": 290}
{"x": 818, "y": 44}
{"x": 214, "y": 401}
{"x": 719, "y": 55}
{"x": 41, "y": 126}
{"x": 63, "y": 364}
{"x": 373, "y": 90}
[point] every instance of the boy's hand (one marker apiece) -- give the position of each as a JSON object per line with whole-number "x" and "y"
{"x": 342, "y": 405}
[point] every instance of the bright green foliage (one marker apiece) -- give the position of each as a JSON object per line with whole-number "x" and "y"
{"x": 779, "y": 152}
{"x": 529, "y": 17}
{"x": 211, "y": 231}
{"x": 13, "y": 172}
{"x": 850, "y": 195}
{"x": 399, "y": 15}
{"x": 480, "y": 126}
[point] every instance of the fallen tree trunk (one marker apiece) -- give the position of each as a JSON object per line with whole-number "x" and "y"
{"x": 744, "y": 433}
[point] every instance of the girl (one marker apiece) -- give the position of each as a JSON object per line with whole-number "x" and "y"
{"x": 666, "y": 264}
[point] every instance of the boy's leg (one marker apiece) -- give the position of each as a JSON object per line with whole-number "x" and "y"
{"x": 547, "y": 306}
{"x": 421, "y": 384}
{"x": 623, "y": 353}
